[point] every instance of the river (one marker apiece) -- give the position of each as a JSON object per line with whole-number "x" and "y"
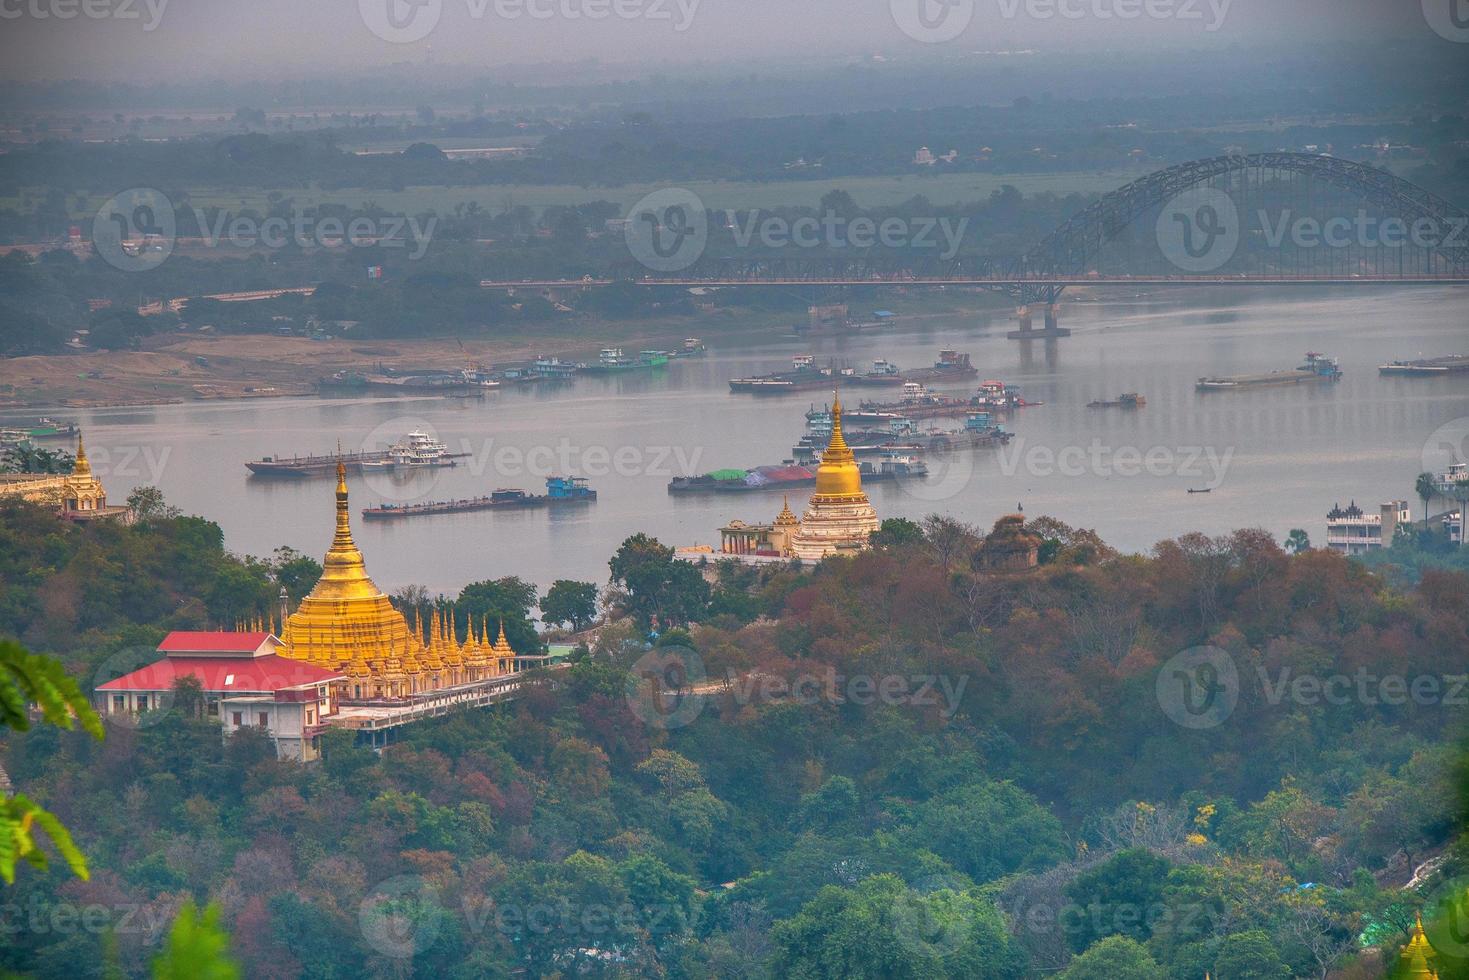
{"x": 1277, "y": 458}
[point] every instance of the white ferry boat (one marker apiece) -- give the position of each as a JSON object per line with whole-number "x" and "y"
{"x": 416, "y": 449}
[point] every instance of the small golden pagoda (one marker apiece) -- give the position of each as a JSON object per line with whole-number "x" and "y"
{"x": 839, "y": 518}
{"x": 79, "y": 495}
{"x": 348, "y": 625}
{"x": 1416, "y": 960}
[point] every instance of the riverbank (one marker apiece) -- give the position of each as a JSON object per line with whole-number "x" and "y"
{"x": 184, "y": 367}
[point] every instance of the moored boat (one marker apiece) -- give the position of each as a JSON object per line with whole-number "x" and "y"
{"x": 559, "y": 491}
{"x": 1316, "y": 369}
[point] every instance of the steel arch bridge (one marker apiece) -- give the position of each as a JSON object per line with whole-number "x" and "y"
{"x": 1069, "y": 254}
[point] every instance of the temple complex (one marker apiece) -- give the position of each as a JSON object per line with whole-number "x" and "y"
{"x": 77, "y": 495}
{"x": 839, "y": 519}
{"x": 1009, "y": 547}
{"x": 348, "y": 625}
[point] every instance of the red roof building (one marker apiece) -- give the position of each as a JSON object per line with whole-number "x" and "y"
{"x": 244, "y": 683}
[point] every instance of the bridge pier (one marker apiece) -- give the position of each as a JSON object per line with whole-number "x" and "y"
{"x": 1027, "y": 329}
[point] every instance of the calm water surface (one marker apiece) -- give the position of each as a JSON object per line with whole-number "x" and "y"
{"x": 1276, "y": 458}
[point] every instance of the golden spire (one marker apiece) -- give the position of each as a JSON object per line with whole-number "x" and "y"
{"x": 82, "y": 467}
{"x": 786, "y": 517}
{"x": 1416, "y": 956}
{"x": 838, "y": 475}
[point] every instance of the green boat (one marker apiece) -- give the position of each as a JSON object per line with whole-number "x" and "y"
{"x": 611, "y": 360}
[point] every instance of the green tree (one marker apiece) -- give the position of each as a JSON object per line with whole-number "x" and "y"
{"x": 1426, "y": 489}
{"x": 883, "y": 929}
{"x": 658, "y": 587}
{"x": 990, "y": 829}
{"x": 147, "y": 504}
{"x": 29, "y": 678}
{"x": 1120, "y": 896}
{"x": 1297, "y": 541}
{"x": 897, "y": 532}
{"x": 197, "y": 948}
{"x": 1114, "y": 958}
{"x": 508, "y": 600}
{"x": 570, "y": 602}
{"x": 1249, "y": 956}
{"x": 295, "y": 572}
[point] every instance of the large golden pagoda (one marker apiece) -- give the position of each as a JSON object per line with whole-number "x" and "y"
{"x": 839, "y": 519}
{"x": 348, "y": 625}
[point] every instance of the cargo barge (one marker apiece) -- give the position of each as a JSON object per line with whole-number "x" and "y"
{"x": 1318, "y": 368}
{"x": 1448, "y": 364}
{"x": 1129, "y": 399}
{"x": 790, "y": 476}
{"x": 611, "y": 360}
{"x": 919, "y": 403}
{"x": 303, "y": 466}
{"x": 803, "y": 376}
{"x": 951, "y": 366}
{"x": 559, "y": 491}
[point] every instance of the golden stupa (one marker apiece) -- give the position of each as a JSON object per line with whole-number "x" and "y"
{"x": 348, "y": 625}
{"x": 839, "y": 519}
{"x": 1416, "y": 959}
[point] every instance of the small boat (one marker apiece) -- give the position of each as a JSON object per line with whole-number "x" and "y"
{"x": 1129, "y": 399}
{"x": 1204, "y": 490}
{"x": 417, "y": 449}
{"x": 612, "y": 360}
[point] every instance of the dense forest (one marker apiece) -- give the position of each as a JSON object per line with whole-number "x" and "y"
{"x": 893, "y": 765}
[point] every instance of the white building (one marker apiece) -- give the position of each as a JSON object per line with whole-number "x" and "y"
{"x": 1352, "y": 531}
{"x": 245, "y": 684}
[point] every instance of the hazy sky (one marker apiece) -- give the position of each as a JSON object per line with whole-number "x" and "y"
{"x": 145, "y": 40}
